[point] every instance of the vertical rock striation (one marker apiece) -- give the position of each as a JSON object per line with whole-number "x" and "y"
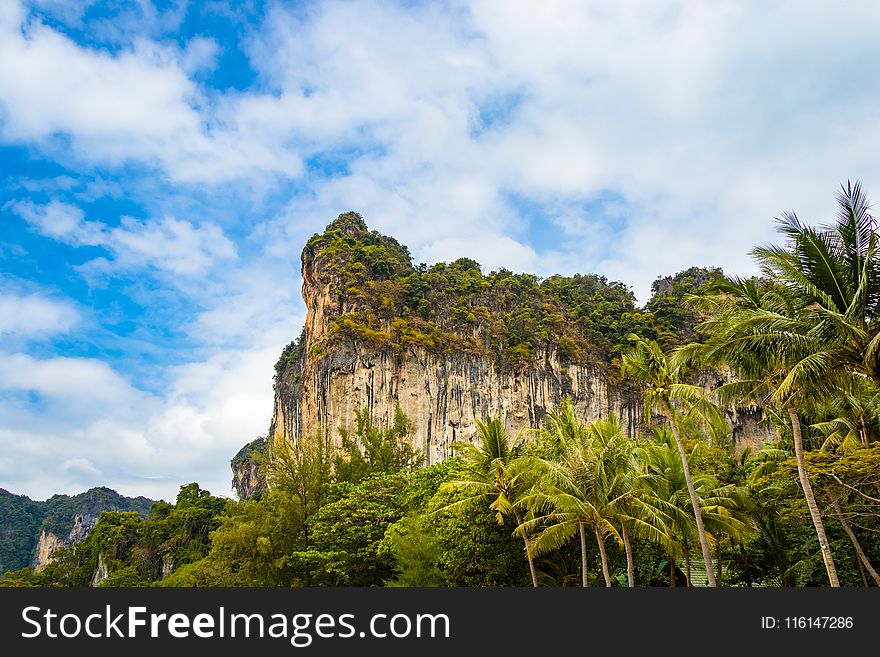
{"x": 448, "y": 345}
{"x": 327, "y": 376}
{"x": 247, "y": 468}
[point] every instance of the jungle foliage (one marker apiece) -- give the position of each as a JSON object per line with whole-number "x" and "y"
{"x": 573, "y": 503}
{"x": 384, "y": 301}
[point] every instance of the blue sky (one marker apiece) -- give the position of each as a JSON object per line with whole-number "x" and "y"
{"x": 164, "y": 162}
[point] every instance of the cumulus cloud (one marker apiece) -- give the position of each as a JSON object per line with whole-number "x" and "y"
{"x": 697, "y": 116}
{"x": 168, "y": 244}
{"x": 35, "y": 315}
{"x": 138, "y": 104}
{"x": 72, "y": 423}
{"x": 434, "y": 114}
{"x": 60, "y": 221}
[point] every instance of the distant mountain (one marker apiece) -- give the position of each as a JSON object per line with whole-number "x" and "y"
{"x": 30, "y": 531}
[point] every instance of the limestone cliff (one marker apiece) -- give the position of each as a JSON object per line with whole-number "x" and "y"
{"x": 47, "y": 544}
{"x": 447, "y": 344}
{"x": 441, "y": 394}
{"x": 247, "y": 468}
{"x": 370, "y": 342}
{"x": 67, "y": 520}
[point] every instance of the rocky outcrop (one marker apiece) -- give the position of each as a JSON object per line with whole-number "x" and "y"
{"x": 67, "y": 520}
{"x": 442, "y": 393}
{"x": 49, "y": 542}
{"x": 47, "y": 545}
{"x": 167, "y": 566}
{"x": 248, "y": 466}
{"x": 328, "y": 373}
{"x": 101, "y": 572}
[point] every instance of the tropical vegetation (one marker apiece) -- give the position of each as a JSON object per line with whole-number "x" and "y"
{"x": 570, "y": 502}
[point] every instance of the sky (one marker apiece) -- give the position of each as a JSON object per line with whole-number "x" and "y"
{"x": 164, "y": 162}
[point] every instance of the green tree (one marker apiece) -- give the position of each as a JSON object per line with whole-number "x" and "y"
{"x": 722, "y": 507}
{"x": 760, "y": 331}
{"x": 496, "y": 475}
{"x": 853, "y": 474}
{"x": 663, "y": 387}
{"x": 829, "y": 281}
{"x": 590, "y": 480}
{"x": 251, "y": 546}
{"x": 372, "y": 450}
{"x": 301, "y": 472}
{"x": 633, "y": 506}
{"x": 834, "y": 271}
{"x": 416, "y": 550}
{"x": 345, "y": 533}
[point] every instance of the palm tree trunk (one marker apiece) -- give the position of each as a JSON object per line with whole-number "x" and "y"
{"x": 798, "y": 440}
{"x": 630, "y": 568}
{"x": 687, "y": 563}
{"x": 584, "y": 575}
{"x": 863, "y": 558}
{"x": 695, "y": 501}
{"x": 601, "y": 541}
{"x": 528, "y": 551}
{"x": 862, "y": 573}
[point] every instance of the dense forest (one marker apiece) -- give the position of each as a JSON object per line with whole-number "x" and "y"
{"x": 22, "y": 519}
{"x": 570, "y": 503}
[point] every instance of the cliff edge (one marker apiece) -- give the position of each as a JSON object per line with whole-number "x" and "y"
{"x": 447, "y": 343}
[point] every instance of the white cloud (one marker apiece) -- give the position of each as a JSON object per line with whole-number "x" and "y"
{"x": 168, "y": 244}
{"x": 81, "y": 467}
{"x": 90, "y": 427}
{"x": 75, "y": 384}
{"x": 33, "y": 315}
{"x": 491, "y": 251}
{"x": 138, "y": 104}
{"x": 684, "y": 110}
{"x": 60, "y": 221}
{"x": 199, "y": 55}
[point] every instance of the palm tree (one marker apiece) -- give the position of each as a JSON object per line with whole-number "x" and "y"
{"x": 633, "y": 506}
{"x": 854, "y": 413}
{"x": 761, "y": 332}
{"x": 662, "y": 379}
{"x": 834, "y": 271}
{"x": 496, "y": 474}
{"x": 569, "y": 499}
{"x": 829, "y": 278}
{"x": 589, "y": 482}
{"x": 562, "y": 430}
{"x": 723, "y": 508}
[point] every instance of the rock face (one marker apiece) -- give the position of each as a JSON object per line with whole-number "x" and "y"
{"x": 49, "y": 542}
{"x": 167, "y": 566}
{"x": 328, "y": 373}
{"x": 67, "y": 520}
{"x": 247, "y": 468}
{"x": 47, "y": 545}
{"x": 101, "y": 572}
{"x": 442, "y": 393}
